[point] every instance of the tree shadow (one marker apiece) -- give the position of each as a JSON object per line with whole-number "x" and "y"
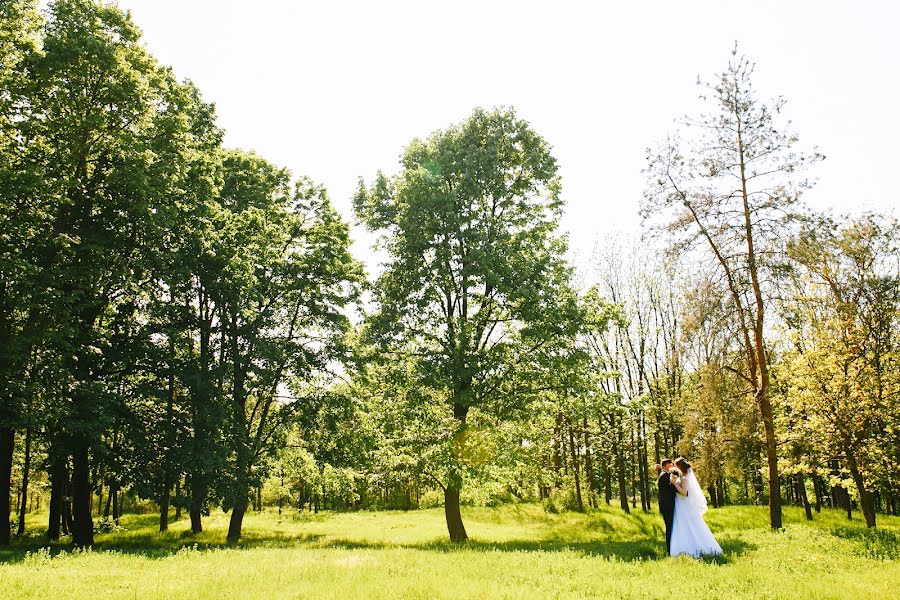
{"x": 623, "y": 550}
{"x": 150, "y": 545}
{"x": 638, "y": 540}
{"x": 880, "y": 544}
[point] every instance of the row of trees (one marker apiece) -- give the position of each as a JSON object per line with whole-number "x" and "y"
{"x": 174, "y": 315}
{"x": 159, "y": 294}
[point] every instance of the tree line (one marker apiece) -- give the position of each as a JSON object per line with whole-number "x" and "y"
{"x": 183, "y": 327}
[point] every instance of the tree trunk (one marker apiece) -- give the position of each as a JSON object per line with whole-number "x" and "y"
{"x": 178, "y": 497}
{"x": 7, "y": 445}
{"x": 817, "y": 488}
{"x": 67, "y": 524}
{"x": 198, "y": 494}
{"x": 455, "y": 526}
{"x": 865, "y": 498}
{"x": 623, "y": 489}
{"x": 109, "y": 500}
{"x": 57, "y": 477}
{"x": 164, "y": 510}
{"x": 607, "y": 483}
{"x": 589, "y": 467}
{"x": 200, "y": 416}
{"x": 634, "y": 477}
{"x": 26, "y": 468}
{"x": 170, "y": 442}
{"x": 454, "y": 519}
{"x": 83, "y": 532}
{"x": 237, "y": 520}
{"x": 196, "y": 520}
{"x": 557, "y": 455}
{"x": 645, "y": 467}
{"x": 801, "y": 491}
{"x": 575, "y": 470}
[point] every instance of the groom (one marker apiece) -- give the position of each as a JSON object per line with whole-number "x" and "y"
{"x": 666, "y": 498}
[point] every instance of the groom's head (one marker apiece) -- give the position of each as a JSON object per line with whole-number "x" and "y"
{"x": 666, "y": 463}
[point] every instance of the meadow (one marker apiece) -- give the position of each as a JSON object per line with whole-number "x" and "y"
{"x": 516, "y": 551}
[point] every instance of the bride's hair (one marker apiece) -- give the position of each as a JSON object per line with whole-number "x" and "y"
{"x": 682, "y": 465}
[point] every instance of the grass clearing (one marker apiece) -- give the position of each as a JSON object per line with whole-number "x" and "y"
{"x": 516, "y": 552}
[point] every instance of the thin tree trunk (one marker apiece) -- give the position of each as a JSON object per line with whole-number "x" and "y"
{"x": 575, "y": 470}
{"x": 589, "y": 466}
{"x": 57, "y": 475}
{"x": 607, "y": 482}
{"x": 817, "y": 488}
{"x": 623, "y": 490}
{"x": 26, "y": 470}
{"x": 170, "y": 442}
{"x": 198, "y": 492}
{"x": 634, "y": 477}
{"x": 801, "y": 491}
{"x": 109, "y": 500}
{"x": 164, "y": 511}
{"x": 557, "y": 455}
{"x": 115, "y": 503}
{"x": 7, "y": 445}
{"x": 178, "y": 497}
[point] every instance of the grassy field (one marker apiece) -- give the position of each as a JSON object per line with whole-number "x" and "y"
{"x": 515, "y": 552}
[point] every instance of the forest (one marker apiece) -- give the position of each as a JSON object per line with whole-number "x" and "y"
{"x": 185, "y": 331}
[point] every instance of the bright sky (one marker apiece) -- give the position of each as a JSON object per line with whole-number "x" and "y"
{"x": 334, "y": 90}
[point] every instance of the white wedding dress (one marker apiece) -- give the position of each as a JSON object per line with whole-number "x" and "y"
{"x": 690, "y": 533}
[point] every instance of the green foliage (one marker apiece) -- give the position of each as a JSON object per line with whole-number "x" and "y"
{"x": 475, "y": 271}
{"x": 561, "y": 500}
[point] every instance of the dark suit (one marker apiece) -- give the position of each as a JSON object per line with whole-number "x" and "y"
{"x": 667, "y": 493}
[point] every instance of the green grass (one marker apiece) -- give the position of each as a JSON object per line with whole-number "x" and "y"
{"x": 515, "y": 552}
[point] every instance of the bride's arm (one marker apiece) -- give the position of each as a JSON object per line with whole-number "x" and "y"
{"x": 681, "y": 486}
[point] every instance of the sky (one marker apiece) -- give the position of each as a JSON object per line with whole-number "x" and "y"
{"x": 335, "y": 90}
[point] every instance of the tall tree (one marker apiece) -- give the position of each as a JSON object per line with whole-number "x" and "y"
{"x": 733, "y": 188}
{"x": 18, "y": 41}
{"x": 104, "y": 107}
{"x": 287, "y": 280}
{"x": 474, "y": 270}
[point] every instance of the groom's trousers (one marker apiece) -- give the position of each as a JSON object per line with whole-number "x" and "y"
{"x": 668, "y": 517}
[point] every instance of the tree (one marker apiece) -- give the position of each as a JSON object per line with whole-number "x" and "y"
{"x": 843, "y": 364}
{"x": 732, "y": 187}
{"x": 475, "y": 268}
{"x": 288, "y": 277}
{"x": 18, "y": 38}
{"x": 109, "y": 114}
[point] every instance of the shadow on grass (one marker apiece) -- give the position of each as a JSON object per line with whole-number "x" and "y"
{"x": 627, "y": 538}
{"x": 150, "y": 546}
{"x": 153, "y": 546}
{"x": 880, "y": 544}
{"x": 626, "y": 551}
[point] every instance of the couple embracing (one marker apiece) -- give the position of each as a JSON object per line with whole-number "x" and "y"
{"x": 682, "y": 504}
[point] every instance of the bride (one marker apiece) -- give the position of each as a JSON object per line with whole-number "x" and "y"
{"x": 690, "y": 533}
